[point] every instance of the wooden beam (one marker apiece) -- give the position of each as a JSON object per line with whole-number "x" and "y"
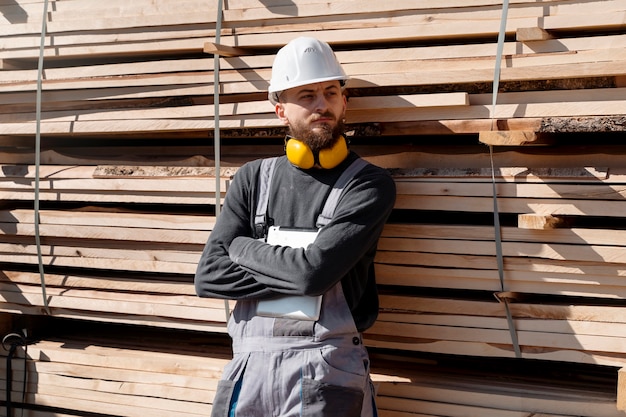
{"x": 588, "y": 253}
{"x": 409, "y": 101}
{"x": 522, "y": 310}
{"x": 511, "y": 205}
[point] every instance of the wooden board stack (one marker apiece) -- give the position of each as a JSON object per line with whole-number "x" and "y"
{"x": 86, "y": 93}
{"x": 127, "y": 184}
{"x": 111, "y": 374}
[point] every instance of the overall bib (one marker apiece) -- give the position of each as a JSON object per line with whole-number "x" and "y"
{"x": 296, "y": 368}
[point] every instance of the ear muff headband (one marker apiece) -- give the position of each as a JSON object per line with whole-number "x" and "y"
{"x": 299, "y": 154}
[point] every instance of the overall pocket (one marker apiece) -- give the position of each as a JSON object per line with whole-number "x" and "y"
{"x": 325, "y": 400}
{"x": 333, "y": 383}
{"x": 226, "y": 397}
{"x": 227, "y": 392}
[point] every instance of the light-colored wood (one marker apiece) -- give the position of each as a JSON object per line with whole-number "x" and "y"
{"x": 517, "y": 51}
{"x": 255, "y": 11}
{"x": 404, "y": 101}
{"x": 565, "y": 328}
{"x": 118, "y": 252}
{"x": 224, "y": 50}
{"x": 519, "y": 67}
{"x": 465, "y": 278}
{"x": 491, "y": 308}
{"x": 134, "y": 138}
{"x": 508, "y": 138}
{"x": 371, "y": 115}
{"x": 151, "y": 184}
{"x": 458, "y": 126}
{"x": 100, "y": 317}
{"x": 553, "y": 207}
{"x": 85, "y": 405}
{"x": 97, "y": 218}
{"x": 103, "y": 281}
{"x": 239, "y": 109}
{"x": 538, "y": 189}
{"x": 468, "y": 388}
{"x": 183, "y": 13}
{"x": 151, "y": 266}
{"x": 588, "y": 253}
{"x": 531, "y": 221}
{"x": 188, "y": 361}
{"x": 621, "y": 390}
{"x": 129, "y": 197}
{"x": 188, "y": 307}
{"x": 486, "y": 350}
{"x": 532, "y": 34}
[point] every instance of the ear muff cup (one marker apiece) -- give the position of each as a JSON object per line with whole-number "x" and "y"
{"x": 330, "y": 158}
{"x": 299, "y": 154}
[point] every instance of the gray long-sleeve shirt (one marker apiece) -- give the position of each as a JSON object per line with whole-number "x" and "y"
{"x": 235, "y": 265}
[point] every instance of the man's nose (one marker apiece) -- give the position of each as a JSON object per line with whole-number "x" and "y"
{"x": 321, "y": 103}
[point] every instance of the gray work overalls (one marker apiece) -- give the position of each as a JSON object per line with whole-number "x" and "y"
{"x": 297, "y": 368}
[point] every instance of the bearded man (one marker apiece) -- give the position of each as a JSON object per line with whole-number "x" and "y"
{"x": 302, "y": 305}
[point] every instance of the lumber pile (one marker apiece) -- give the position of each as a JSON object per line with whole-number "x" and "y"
{"x": 109, "y": 80}
{"x": 563, "y": 278}
{"x": 130, "y": 372}
{"x": 118, "y": 372}
{"x": 127, "y": 181}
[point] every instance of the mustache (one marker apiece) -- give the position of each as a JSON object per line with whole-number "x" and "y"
{"x": 325, "y": 115}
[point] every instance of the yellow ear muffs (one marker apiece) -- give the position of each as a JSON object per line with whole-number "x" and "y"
{"x": 299, "y": 154}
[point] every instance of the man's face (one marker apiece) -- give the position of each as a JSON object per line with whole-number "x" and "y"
{"x": 314, "y": 113}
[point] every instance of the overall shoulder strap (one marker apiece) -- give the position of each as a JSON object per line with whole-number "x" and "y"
{"x": 333, "y": 198}
{"x": 266, "y": 172}
{"x": 265, "y": 181}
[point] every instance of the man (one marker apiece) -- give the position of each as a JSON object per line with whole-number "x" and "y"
{"x": 315, "y": 365}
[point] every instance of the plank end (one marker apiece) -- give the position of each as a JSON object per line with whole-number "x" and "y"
{"x": 540, "y": 222}
{"x": 511, "y": 138}
{"x": 224, "y": 50}
{"x": 621, "y": 389}
{"x": 532, "y": 34}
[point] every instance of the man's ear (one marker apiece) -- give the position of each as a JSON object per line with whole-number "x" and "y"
{"x": 280, "y": 113}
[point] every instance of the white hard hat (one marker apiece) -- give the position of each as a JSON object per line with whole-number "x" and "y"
{"x": 303, "y": 61}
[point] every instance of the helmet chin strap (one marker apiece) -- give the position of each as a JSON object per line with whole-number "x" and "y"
{"x": 301, "y": 155}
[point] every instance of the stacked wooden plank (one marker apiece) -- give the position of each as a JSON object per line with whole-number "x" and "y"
{"x": 171, "y": 95}
{"x": 564, "y": 283}
{"x": 409, "y": 388}
{"x": 576, "y": 262}
{"x": 568, "y": 333}
{"x": 132, "y": 267}
{"x": 89, "y": 29}
{"x": 122, "y": 371}
{"x": 128, "y": 186}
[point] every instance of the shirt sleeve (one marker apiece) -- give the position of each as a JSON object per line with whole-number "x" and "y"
{"x": 352, "y": 233}
{"x": 217, "y": 276}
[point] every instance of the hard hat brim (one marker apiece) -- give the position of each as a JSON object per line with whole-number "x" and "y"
{"x": 273, "y": 93}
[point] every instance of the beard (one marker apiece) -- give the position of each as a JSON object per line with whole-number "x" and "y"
{"x": 322, "y": 137}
